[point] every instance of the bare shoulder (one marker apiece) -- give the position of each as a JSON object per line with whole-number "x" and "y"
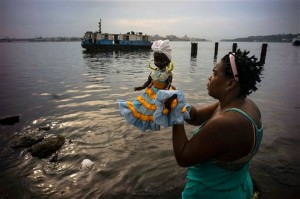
{"x": 229, "y": 127}
{"x": 253, "y": 111}
{"x": 233, "y": 119}
{"x": 226, "y": 122}
{"x": 226, "y": 136}
{"x": 232, "y": 133}
{"x": 253, "y": 106}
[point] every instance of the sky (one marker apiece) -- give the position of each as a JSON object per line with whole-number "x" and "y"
{"x": 213, "y": 20}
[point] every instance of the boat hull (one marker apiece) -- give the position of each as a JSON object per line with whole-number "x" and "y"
{"x": 106, "y": 41}
{"x": 115, "y": 47}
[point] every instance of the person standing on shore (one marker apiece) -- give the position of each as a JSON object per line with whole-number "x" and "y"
{"x": 230, "y": 133}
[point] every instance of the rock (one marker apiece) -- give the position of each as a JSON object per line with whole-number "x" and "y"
{"x": 54, "y": 157}
{"x": 10, "y": 120}
{"x": 27, "y": 140}
{"x": 86, "y": 165}
{"x": 48, "y": 146}
{"x": 45, "y": 128}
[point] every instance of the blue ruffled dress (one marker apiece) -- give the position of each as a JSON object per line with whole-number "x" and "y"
{"x": 148, "y": 112}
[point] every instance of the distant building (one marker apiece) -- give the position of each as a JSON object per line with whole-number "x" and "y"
{"x": 185, "y": 38}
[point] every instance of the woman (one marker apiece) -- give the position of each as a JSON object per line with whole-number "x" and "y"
{"x": 230, "y": 132}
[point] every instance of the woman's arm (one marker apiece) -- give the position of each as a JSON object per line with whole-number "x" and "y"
{"x": 209, "y": 143}
{"x": 200, "y": 115}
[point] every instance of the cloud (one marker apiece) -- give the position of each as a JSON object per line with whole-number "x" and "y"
{"x": 202, "y": 19}
{"x": 150, "y": 22}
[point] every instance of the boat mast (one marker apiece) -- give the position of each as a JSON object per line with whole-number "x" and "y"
{"x": 99, "y": 26}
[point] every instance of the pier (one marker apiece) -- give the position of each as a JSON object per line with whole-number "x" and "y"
{"x": 235, "y": 46}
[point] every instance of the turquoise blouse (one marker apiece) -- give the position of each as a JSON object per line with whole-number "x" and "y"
{"x": 219, "y": 180}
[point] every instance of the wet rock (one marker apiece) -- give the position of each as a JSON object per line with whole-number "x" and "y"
{"x": 45, "y": 128}
{"x": 46, "y": 147}
{"x": 27, "y": 141}
{"x": 54, "y": 157}
{"x": 10, "y": 120}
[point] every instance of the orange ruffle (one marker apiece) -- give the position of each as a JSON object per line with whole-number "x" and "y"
{"x": 146, "y": 104}
{"x": 138, "y": 115}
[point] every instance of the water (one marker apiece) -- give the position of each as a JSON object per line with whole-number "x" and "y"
{"x": 75, "y": 92}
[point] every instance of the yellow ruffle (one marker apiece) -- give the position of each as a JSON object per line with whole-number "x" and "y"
{"x": 150, "y": 93}
{"x": 138, "y": 115}
{"x": 146, "y": 104}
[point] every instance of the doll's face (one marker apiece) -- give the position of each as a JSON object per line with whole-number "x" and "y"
{"x": 161, "y": 60}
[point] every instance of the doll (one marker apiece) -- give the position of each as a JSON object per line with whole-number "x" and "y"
{"x": 140, "y": 112}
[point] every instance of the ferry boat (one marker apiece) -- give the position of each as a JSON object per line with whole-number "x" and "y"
{"x": 106, "y": 41}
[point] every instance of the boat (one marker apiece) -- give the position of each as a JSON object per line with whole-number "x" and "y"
{"x": 296, "y": 41}
{"x": 106, "y": 41}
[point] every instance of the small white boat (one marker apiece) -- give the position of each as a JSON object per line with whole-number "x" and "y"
{"x": 296, "y": 41}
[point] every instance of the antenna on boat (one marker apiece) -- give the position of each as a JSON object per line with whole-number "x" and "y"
{"x": 99, "y": 26}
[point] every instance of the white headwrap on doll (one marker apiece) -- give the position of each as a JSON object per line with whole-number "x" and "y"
{"x": 162, "y": 46}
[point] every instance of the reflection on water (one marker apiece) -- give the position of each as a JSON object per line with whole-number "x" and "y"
{"x": 193, "y": 64}
{"x": 75, "y": 92}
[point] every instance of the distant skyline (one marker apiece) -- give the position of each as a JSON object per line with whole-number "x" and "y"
{"x": 213, "y": 20}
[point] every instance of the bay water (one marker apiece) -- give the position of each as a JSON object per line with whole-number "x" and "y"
{"x": 75, "y": 92}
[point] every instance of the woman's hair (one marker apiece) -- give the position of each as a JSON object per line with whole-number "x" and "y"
{"x": 248, "y": 69}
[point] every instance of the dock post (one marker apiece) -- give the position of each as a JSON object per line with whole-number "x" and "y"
{"x": 263, "y": 53}
{"x": 216, "y": 49}
{"x": 194, "y": 49}
{"x": 234, "y": 47}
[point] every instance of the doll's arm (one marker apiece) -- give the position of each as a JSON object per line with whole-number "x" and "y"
{"x": 169, "y": 82}
{"x": 147, "y": 83}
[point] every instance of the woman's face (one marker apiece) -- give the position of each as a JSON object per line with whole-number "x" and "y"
{"x": 217, "y": 82}
{"x": 161, "y": 60}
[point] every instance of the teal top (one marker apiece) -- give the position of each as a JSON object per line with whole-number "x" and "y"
{"x": 217, "y": 180}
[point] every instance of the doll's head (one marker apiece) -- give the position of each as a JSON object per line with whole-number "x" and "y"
{"x": 160, "y": 60}
{"x": 162, "y": 53}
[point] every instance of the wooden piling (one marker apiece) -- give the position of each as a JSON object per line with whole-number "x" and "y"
{"x": 216, "y": 50}
{"x": 194, "y": 49}
{"x": 234, "y": 47}
{"x": 263, "y": 53}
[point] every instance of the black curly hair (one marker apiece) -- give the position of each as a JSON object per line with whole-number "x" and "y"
{"x": 248, "y": 68}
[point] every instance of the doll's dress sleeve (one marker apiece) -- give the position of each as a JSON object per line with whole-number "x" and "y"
{"x": 179, "y": 108}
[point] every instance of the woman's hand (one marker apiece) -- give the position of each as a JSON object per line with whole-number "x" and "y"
{"x": 168, "y": 102}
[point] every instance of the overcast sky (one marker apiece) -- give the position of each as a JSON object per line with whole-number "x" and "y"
{"x": 214, "y": 20}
